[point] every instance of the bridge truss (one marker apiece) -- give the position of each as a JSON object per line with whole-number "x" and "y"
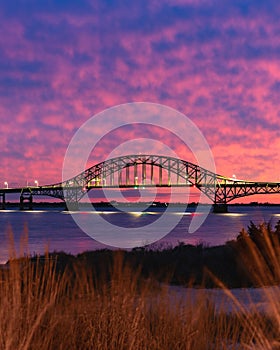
{"x": 133, "y": 171}
{"x": 140, "y": 170}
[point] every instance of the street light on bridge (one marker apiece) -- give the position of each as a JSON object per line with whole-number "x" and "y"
{"x": 36, "y": 183}
{"x": 6, "y": 184}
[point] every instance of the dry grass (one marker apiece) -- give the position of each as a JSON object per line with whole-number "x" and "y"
{"x": 41, "y": 308}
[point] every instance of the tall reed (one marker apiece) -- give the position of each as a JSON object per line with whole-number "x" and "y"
{"x": 43, "y": 306}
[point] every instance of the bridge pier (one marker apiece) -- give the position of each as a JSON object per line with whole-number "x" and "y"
{"x": 220, "y": 208}
{"x": 72, "y": 206}
{"x": 2, "y": 201}
{"x": 26, "y": 200}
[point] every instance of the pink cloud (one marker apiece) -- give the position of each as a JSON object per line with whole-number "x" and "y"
{"x": 222, "y": 71}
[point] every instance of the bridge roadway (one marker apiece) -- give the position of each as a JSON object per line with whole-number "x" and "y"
{"x": 171, "y": 172}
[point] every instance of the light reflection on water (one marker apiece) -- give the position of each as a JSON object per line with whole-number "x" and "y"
{"x": 57, "y": 229}
{"x": 232, "y": 214}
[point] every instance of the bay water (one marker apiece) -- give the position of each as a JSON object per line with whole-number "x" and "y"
{"x": 56, "y": 230}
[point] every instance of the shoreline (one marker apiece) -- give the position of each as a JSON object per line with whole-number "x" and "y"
{"x": 184, "y": 265}
{"x": 148, "y": 205}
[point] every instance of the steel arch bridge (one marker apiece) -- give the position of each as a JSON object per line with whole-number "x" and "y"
{"x": 133, "y": 171}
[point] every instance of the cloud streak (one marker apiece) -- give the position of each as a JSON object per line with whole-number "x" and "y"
{"x": 62, "y": 63}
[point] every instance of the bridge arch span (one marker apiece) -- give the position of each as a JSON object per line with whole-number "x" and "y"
{"x": 137, "y": 170}
{"x": 142, "y": 174}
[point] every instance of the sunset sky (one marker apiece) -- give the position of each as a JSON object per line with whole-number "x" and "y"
{"x": 61, "y": 62}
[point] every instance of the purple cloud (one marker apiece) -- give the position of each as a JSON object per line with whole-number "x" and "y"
{"x": 61, "y": 63}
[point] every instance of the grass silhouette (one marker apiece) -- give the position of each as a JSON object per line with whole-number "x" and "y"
{"x": 58, "y": 301}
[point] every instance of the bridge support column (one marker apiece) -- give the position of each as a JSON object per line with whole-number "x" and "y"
{"x": 26, "y": 200}
{"x": 220, "y": 208}
{"x": 72, "y": 206}
{"x": 2, "y": 201}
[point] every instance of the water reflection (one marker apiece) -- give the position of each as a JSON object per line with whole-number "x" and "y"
{"x": 58, "y": 230}
{"x": 231, "y": 214}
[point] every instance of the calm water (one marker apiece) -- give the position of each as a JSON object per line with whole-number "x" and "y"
{"x": 58, "y": 231}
